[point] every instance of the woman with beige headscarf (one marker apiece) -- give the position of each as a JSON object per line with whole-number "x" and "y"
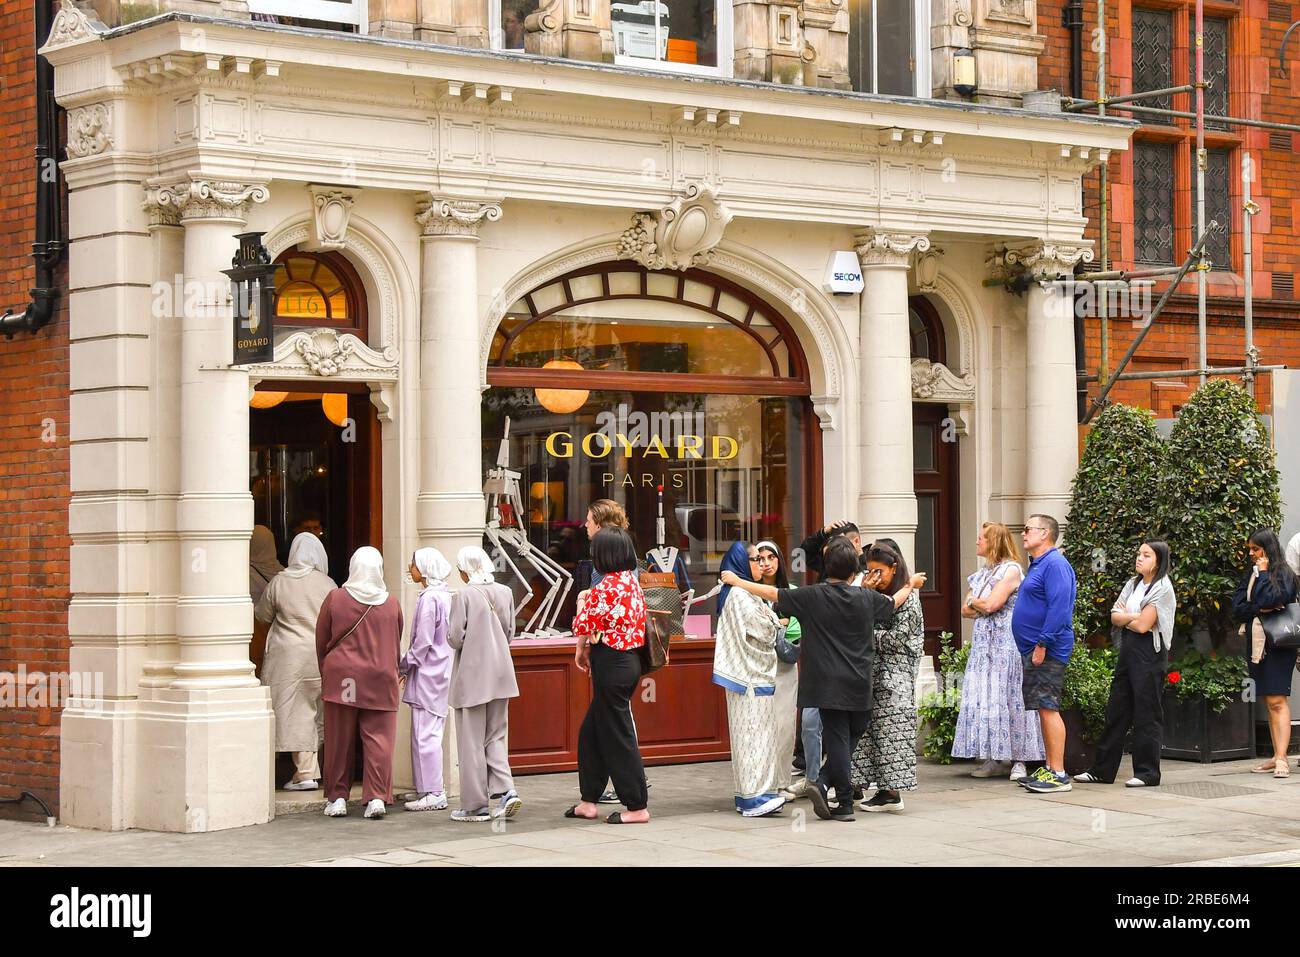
{"x": 291, "y": 605}
{"x": 263, "y": 565}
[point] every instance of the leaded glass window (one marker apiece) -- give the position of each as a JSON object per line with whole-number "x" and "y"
{"x": 1218, "y": 205}
{"x": 1153, "y": 202}
{"x": 1215, "y": 65}
{"x": 1153, "y": 40}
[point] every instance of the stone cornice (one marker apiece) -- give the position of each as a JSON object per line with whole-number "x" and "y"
{"x": 882, "y": 248}
{"x": 455, "y": 217}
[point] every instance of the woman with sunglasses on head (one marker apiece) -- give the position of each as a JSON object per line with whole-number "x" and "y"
{"x": 771, "y": 571}
{"x": 744, "y": 664}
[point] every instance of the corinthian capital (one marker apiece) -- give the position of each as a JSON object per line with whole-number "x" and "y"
{"x": 455, "y": 217}
{"x": 878, "y": 248}
{"x": 203, "y": 199}
{"x": 1049, "y": 261}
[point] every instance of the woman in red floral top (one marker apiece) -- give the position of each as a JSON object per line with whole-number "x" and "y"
{"x": 610, "y": 628}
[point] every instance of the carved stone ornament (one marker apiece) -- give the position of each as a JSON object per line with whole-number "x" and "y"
{"x": 888, "y": 249}
{"x": 934, "y": 381}
{"x": 456, "y": 217}
{"x": 681, "y": 235}
{"x": 927, "y": 268}
{"x": 72, "y": 24}
{"x": 331, "y": 210}
{"x": 208, "y": 199}
{"x": 1049, "y": 261}
{"x": 90, "y": 130}
{"x": 330, "y": 354}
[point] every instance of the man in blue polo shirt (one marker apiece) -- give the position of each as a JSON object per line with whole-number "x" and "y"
{"x": 1042, "y": 624}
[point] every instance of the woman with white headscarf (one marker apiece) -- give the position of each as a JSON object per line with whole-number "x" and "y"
{"x": 426, "y": 671}
{"x": 358, "y": 641}
{"x": 481, "y": 624}
{"x": 291, "y": 604}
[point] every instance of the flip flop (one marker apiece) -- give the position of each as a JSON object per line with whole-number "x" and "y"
{"x": 572, "y": 812}
{"x": 617, "y": 818}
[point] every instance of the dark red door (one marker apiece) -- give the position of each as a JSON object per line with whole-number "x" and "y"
{"x": 938, "y": 543}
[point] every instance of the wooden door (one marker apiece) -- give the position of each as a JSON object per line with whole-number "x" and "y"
{"x": 938, "y": 540}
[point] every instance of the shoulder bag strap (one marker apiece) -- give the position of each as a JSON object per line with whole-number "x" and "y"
{"x": 338, "y": 641}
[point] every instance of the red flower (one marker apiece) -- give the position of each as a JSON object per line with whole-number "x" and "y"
{"x": 1175, "y": 677}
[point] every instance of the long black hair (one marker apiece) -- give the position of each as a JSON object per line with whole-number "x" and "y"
{"x": 884, "y": 554}
{"x": 1266, "y": 540}
{"x": 782, "y": 579}
{"x": 1162, "y": 560}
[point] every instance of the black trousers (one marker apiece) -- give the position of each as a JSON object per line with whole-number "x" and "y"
{"x": 607, "y": 745}
{"x": 1135, "y": 701}
{"x": 840, "y": 733}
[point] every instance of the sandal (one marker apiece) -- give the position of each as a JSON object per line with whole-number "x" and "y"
{"x": 572, "y": 812}
{"x": 1282, "y": 770}
{"x": 617, "y": 818}
{"x": 1266, "y": 768}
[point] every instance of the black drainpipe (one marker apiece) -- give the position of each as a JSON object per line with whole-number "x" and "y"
{"x": 49, "y": 247}
{"x": 1072, "y": 17}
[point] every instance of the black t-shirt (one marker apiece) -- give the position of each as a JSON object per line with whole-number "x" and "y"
{"x": 836, "y": 648}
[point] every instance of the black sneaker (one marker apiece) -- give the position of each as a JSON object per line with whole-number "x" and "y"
{"x": 817, "y": 794}
{"x": 881, "y": 801}
{"x": 842, "y": 815}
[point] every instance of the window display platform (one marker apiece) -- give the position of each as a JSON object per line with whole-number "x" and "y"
{"x": 681, "y": 715}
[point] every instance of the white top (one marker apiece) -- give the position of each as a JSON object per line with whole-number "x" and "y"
{"x": 1134, "y": 604}
{"x": 1293, "y": 553}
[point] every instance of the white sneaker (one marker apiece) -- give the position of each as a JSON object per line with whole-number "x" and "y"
{"x": 375, "y": 809}
{"x": 433, "y": 801}
{"x": 337, "y": 808}
{"x": 766, "y": 808}
{"x": 301, "y": 786}
{"x": 1132, "y": 783}
{"x": 990, "y": 769}
{"x": 798, "y": 788}
{"x": 1018, "y": 772}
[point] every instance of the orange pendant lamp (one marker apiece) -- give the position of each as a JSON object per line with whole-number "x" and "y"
{"x": 562, "y": 401}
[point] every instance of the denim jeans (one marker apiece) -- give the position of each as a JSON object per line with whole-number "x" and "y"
{"x": 811, "y": 724}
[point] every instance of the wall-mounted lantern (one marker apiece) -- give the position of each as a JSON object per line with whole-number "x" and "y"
{"x": 252, "y": 287}
{"x": 963, "y": 71}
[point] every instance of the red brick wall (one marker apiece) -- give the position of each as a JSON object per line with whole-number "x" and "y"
{"x": 33, "y": 472}
{"x": 1256, "y": 91}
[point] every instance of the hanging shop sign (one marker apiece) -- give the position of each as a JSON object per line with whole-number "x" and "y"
{"x": 843, "y": 273}
{"x": 252, "y": 288}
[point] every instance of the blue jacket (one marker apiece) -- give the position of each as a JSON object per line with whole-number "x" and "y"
{"x": 1045, "y": 606}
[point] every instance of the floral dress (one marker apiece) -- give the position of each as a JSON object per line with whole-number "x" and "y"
{"x": 886, "y": 753}
{"x": 993, "y": 724}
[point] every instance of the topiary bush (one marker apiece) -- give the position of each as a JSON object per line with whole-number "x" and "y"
{"x": 1220, "y": 486}
{"x": 1111, "y": 510}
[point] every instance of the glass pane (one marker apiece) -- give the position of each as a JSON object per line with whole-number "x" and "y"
{"x": 639, "y": 335}
{"x": 927, "y": 543}
{"x": 730, "y": 465}
{"x": 1153, "y": 34}
{"x": 861, "y": 63}
{"x": 676, "y": 31}
{"x": 895, "y": 43}
{"x": 923, "y": 447}
{"x": 1153, "y": 202}
{"x": 1215, "y": 65}
{"x": 513, "y": 14}
{"x": 1218, "y": 205}
{"x": 921, "y": 348}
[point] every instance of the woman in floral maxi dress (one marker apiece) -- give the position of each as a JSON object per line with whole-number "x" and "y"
{"x": 886, "y": 754}
{"x": 993, "y": 724}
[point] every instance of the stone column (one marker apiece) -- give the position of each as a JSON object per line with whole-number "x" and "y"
{"x": 1051, "y": 413}
{"x": 573, "y": 29}
{"x": 206, "y": 739}
{"x": 886, "y": 498}
{"x": 450, "y": 505}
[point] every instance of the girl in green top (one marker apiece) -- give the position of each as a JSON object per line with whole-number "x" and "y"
{"x": 771, "y": 566}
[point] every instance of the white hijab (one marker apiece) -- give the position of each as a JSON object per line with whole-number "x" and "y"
{"x": 475, "y": 563}
{"x": 433, "y": 566}
{"x": 366, "y": 576}
{"x": 307, "y": 553}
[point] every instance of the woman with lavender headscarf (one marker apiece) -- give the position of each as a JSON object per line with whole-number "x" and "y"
{"x": 426, "y": 672}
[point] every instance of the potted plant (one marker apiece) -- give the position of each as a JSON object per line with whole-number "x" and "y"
{"x": 1206, "y": 714}
{"x": 1083, "y": 703}
{"x": 938, "y": 710}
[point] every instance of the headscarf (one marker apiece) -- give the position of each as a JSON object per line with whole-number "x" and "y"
{"x": 261, "y": 553}
{"x": 475, "y": 563}
{"x": 307, "y": 553}
{"x": 432, "y": 566}
{"x": 366, "y": 576}
{"x": 736, "y": 560}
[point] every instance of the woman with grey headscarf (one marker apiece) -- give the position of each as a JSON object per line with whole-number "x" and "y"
{"x": 263, "y": 565}
{"x": 291, "y": 604}
{"x": 1143, "y": 626}
{"x": 480, "y": 625}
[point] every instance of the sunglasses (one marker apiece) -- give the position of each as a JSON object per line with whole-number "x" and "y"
{"x": 1032, "y": 528}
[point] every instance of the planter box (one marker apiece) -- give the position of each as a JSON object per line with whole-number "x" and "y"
{"x": 1192, "y": 732}
{"x": 1079, "y": 754}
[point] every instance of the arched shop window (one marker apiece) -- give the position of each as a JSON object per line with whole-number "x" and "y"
{"x": 618, "y": 380}
{"x": 319, "y": 289}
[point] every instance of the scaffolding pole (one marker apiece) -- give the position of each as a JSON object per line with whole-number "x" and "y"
{"x": 1195, "y": 255}
{"x": 1202, "y": 266}
{"x": 1248, "y": 209}
{"x": 1184, "y": 373}
{"x": 1074, "y": 105}
{"x": 1211, "y": 118}
{"x": 1103, "y": 176}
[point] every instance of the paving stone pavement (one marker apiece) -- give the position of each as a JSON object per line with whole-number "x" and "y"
{"x": 952, "y": 819}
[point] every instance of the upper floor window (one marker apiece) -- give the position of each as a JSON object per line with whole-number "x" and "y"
{"x": 691, "y": 36}
{"x": 508, "y": 26}
{"x": 889, "y": 47}
{"x": 330, "y": 14}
